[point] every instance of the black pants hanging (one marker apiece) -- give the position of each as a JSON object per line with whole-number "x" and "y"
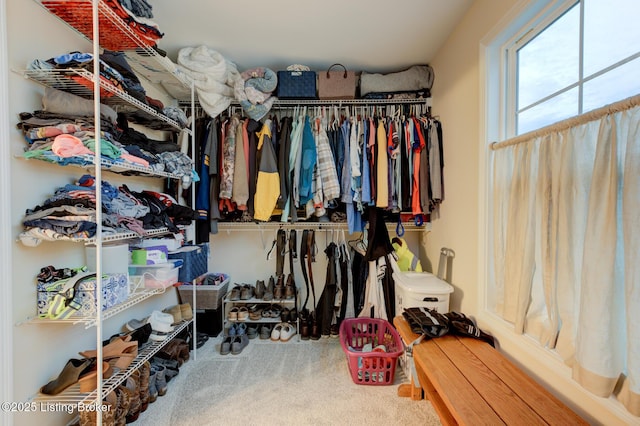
{"x": 344, "y": 284}
{"x": 359, "y": 272}
{"x": 326, "y": 305}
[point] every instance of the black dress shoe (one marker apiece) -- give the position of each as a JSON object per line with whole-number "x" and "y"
{"x": 141, "y": 335}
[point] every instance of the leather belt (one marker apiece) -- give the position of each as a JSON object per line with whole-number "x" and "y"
{"x": 307, "y": 258}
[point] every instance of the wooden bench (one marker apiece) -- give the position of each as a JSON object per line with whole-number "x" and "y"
{"x": 470, "y": 383}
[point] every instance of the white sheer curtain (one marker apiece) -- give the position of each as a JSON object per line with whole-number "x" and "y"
{"x": 566, "y": 220}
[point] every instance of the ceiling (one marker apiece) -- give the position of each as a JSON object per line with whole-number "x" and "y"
{"x": 370, "y": 35}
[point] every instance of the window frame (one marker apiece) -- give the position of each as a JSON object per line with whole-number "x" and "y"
{"x": 510, "y": 51}
{"x": 525, "y": 34}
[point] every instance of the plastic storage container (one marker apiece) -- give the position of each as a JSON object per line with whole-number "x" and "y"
{"x": 370, "y": 368}
{"x": 115, "y": 258}
{"x": 421, "y": 290}
{"x": 161, "y": 275}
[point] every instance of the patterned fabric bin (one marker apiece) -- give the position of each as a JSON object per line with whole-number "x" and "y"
{"x": 195, "y": 260}
{"x": 115, "y": 290}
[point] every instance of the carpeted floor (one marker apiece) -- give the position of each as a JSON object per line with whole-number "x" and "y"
{"x": 271, "y": 383}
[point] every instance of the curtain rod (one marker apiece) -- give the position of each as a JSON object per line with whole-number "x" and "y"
{"x": 596, "y": 114}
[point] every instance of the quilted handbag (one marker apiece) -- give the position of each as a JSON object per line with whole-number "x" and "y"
{"x": 195, "y": 260}
{"x": 339, "y": 84}
{"x": 296, "y": 85}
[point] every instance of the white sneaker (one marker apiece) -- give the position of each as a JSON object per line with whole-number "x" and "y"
{"x": 275, "y": 333}
{"x": 158, "y": 336}
{"x": 161, "y": 321}
{"x": 287, "y": 332}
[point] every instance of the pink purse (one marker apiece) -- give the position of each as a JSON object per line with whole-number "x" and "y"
{"x": 337, "y": 84}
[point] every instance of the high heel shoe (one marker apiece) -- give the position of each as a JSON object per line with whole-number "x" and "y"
{"x": 69, "y": 375}
{"x": 121, "y": 352}
{"x": 89, "y": 381}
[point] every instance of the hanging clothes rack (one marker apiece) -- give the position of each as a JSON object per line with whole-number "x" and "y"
{"x": 331, "y": 115}
{"x": 348, "y": 107}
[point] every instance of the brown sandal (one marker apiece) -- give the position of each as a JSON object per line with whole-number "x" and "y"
{"x": 120, "y": 351}
{"x": 89, "y": 381}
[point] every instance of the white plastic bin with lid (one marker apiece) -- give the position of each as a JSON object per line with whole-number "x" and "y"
{"x": 421, "y": 290}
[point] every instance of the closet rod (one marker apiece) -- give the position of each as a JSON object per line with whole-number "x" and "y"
{"x": 335, "y": 102}
{"x": 320, "y": 226}
{"x": 342, "y": 102}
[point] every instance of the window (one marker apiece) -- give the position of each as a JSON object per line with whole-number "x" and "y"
{"x": 583, "y": 56}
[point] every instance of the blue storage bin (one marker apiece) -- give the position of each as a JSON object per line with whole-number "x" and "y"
{"x": 195, "y": 260}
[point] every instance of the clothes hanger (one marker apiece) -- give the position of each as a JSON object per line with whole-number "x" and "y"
{"x": 343, "y": 246}
{"x": 359, "y": 245}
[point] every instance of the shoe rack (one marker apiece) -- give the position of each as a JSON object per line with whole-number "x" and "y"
{"x": 84, "y": 16}
{"x": 231, "y": 304}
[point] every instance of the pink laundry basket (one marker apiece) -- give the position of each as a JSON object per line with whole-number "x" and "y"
{"x": 370, "y": 368}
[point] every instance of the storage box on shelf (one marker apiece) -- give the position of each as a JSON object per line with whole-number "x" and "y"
{"x": 208, "y": 296}
{"x": 115, "y": 290}
{"x": 115, "y": 258}
{"x": 195, "y": 261}
{"x": 150, "y": 255}
{"x": 160, "y": 275}
{"x": 171, "y": 243}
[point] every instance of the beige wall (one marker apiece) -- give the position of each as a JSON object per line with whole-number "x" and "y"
{"x": 456, "y": 101}
{"x": 458, "y": 96}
